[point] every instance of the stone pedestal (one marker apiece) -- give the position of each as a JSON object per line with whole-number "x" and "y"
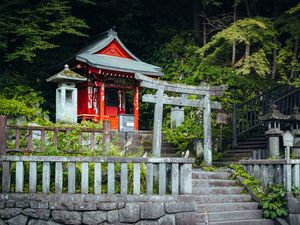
{"x": 273, "y": 142}
{"x": 177, "y": 116}
{"x": 66, "y": 103}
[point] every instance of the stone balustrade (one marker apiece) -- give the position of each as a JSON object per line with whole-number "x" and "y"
{"x": 286, "y": 172}
{"x": 60, "y": 174}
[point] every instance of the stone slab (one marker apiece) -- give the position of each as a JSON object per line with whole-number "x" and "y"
{"x": 175, "y": 207}
{"x": 131, "y": 213}
{"x": 67, "y": 217}
{"x": 167, "y": 220}
{"x": 17, "y": 220}
{"x": 95, "y": 217}
{"x": 37, "y": 213}
{"x": 8, "y": 213}
{"x": 107, "y": 206}
{"x": 151, "y": 210}
{"x": 186, "y": 218}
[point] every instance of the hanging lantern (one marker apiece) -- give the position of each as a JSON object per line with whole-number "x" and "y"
{"x": 222, "y": 117}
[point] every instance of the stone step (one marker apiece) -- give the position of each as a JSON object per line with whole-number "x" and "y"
{"x": 237, "y": 154}
{"x": 218, "y": 164}
{"x": 249, "y": 147}
{"x": 232, "y": 159}
{"x": 253, "y": 141}
{"x": 238, "y": 151}
{"x": 200, "y": 174}
{"x": 242, "y": 222}
{"x": 230, "y": 215}
{"x": 261, "y": 138}
{"x": 214, "y": 183}
{"x": 222, "y": 207}
{"x": 203, "y": 199}
{"x": 216, "y": 190}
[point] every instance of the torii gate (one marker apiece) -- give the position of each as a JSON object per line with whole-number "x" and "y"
{"x": 160, "y": 99}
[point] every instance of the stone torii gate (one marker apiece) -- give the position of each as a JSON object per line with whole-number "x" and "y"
{"x": 161, "y": 98}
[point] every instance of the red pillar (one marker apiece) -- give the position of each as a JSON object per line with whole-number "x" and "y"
{"x": 136, "y": 107}
{"x": 101, "y": 101}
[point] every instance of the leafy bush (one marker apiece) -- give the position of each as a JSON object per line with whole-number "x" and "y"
{"x": 273, "y": 202}
{"x": 21, "y": 101}
{"x": 182, "y": 135}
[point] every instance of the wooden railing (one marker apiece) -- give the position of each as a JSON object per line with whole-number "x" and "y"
{"x": 285, "y": 172}
{"x": 245, "y": 116}
{"x": 59, "y": 174}
{"x": 24, "y": 137}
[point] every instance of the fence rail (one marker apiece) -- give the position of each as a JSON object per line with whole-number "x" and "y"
{"x": 24, "y": 137}
{"x": 285, "y": 172}
{"x": 60, "y": 171}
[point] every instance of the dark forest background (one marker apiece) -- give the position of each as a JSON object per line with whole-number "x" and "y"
{"x": 251, "y": 45}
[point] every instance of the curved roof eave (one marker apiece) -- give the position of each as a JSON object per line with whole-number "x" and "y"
{"x": 158, "y": 73}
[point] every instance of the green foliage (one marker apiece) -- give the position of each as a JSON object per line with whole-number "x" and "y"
{"x": 272, "y": 200}
{"x": 209, "y": 168}
{"x": 34, "y": 27}
{"x": 295, "y": 191}
{"x": 182, "y": 135}
{"x": 21, "y": 101}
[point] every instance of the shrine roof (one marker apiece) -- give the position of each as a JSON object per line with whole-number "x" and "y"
{"x": 110, "y": 53}
{"x": 66, "y": 75}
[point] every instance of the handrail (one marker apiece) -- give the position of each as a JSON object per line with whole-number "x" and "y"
{"x": 245, "y": 116}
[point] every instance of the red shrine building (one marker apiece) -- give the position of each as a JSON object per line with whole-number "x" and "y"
{"x": 110, "y": 90}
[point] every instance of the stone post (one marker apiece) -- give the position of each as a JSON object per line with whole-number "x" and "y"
{"x": 207, "y": 132}
{"x": 273, "y": 142}
{"x": 3, "y": 123}
{"x": 157, "y": 124}
{"x": 106, "y": 136}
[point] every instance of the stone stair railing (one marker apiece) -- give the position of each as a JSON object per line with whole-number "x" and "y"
{"x": 178, "y": 169}
{"x": 286, "y": 172}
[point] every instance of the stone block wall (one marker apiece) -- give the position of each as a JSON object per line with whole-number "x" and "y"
{"x": 39, "y": 209}
{"x": 294, "y": 210}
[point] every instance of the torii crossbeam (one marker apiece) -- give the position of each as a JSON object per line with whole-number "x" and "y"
{"x": 160, "y": 99}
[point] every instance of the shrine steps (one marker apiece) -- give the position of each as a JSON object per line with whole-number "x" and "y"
{"x": 245, "y": 149}
{"x": 224, "y": 200}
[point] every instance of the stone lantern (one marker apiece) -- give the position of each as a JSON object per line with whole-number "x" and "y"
{"x": 66, "y": 94}
{"x": 177, "y": 116}
{"x": 294, "y": 119}
{"x": 273, "y": 120}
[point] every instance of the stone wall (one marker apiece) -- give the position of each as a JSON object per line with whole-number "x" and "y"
{"x": 294, "y": 210}
{"x": 39, "y": 209}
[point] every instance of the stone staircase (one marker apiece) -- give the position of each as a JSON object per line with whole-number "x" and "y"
{"x": 224, "y": 201}
{"x": 252, "y": 147}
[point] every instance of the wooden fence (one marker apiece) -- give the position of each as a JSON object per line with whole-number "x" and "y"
{"x": 285, "y": 172}
{"x": 26, "y": 138}
{"x": 58, "y": 172}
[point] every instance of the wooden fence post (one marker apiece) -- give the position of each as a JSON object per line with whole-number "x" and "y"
{"x": 3, "y": 123}
{"x": 106, "y": 136}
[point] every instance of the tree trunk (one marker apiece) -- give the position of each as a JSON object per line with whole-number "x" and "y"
{"x": 234, "y": 44}
{"x": 296, "y": 46}
{"x": 247, "y": 8}
{"x": 196, "y": 20}
{"x": 274, "y": 65}
{"x": 247, "y": 50}
{"x": 204, "y": 31}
